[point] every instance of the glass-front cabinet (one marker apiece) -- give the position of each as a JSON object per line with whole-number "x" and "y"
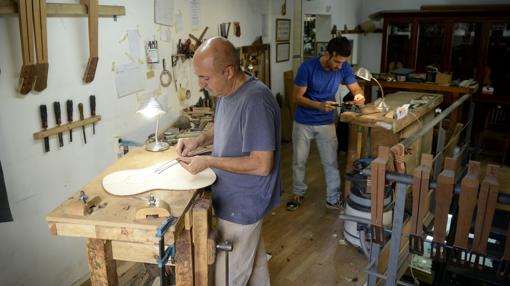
{"x": 472, "y": 43}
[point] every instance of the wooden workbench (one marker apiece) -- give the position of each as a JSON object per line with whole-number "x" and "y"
{"x": 388, "y": 131}
{"x": 450, "y": 93}
{"x": 113, "y": 233}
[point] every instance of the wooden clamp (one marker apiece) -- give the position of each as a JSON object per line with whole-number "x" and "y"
{"x": 504, "y": 265}
{"x": 420, "y": 203}
{"x": 153, "y": 208}
{"x": 467, "y": 203}
{"x": 41, "y": 45}
{"x": 443, "y": 199}
{"x": 26, "y": 26}
{"x": 90, "y": 70}
{"x": 82, "y": 205}
{"x": 487, "y": 199}
{"x": 398, "y": 152}
{"x": 377, "y": 183}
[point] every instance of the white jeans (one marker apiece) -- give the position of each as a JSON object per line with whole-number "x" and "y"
{"x": 327, "y": 143}
{"x": 247, "y": 263}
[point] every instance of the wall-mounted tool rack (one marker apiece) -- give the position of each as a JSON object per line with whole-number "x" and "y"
{"x": 66, "y": 127}
{"x": 9, "y": 7}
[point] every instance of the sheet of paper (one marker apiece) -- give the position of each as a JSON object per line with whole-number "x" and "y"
{"x": 134, "y": 43}
{"x": 163, "y": 12}
{"x": 129, "y": 78}
{"x": 194, "y": 12}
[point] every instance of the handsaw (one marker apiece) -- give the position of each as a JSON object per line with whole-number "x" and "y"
{"x": 90, "y": 70}
{"x": 41, "y": 44}
{"x": 27, "y": 74}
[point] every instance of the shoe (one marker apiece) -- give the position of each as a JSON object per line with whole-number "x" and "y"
{"x": 339, "y": 205}
{"x": 294, "y": 203}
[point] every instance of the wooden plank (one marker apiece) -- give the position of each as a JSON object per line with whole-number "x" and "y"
{"x": 184, "y": 259}
{"x": 102, "y": 266}
{"x": 9, "y": 7}
{"x": 66, "y": 127}
{"x": 201, "y": 226}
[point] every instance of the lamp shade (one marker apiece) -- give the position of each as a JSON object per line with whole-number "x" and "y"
{"x": 363, "y": 73}
{"x": 151, "y": 109}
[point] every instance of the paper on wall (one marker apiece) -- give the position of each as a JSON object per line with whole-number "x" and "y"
{"x": 163, "y": 12}
{"x": 129, "y": 78}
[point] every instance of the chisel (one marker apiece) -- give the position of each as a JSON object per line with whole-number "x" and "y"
{"x": 80, "y": 109}
{"x": 56, "y": 110}
{"x": 69, "y": 110}
{"x": 44, "y": 123}
{"x": 92, "y": 100}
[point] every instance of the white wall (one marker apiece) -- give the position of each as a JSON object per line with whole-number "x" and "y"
{"x": 37, "y": 182}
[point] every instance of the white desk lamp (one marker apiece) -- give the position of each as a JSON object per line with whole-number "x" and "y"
{"x": 363, "y": 73}
{"x": 150, "y": 110}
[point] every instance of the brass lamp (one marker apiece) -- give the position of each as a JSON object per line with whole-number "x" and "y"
{"x": 363, "y": 73}
{"x": 150, "y": 110}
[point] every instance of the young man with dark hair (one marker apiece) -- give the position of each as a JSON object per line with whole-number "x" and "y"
{"x": 315, "y": 86}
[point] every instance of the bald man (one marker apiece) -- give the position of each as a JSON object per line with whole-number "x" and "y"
{"x": 245, "y": 157}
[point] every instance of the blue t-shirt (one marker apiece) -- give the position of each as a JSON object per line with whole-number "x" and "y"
{"x": 248, "y": 120}
{"x": 321, "y": 85}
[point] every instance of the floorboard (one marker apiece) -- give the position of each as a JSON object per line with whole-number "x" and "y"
{"x": 307, "y": 245}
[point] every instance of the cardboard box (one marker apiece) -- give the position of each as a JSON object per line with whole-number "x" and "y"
{"x": 443, "y": 78}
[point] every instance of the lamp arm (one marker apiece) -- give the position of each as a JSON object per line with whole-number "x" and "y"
{"x": 382, "y": 91}
{"x": 156, "y": 132}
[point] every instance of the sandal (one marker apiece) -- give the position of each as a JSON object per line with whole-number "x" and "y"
{"x": 294, "y": 203}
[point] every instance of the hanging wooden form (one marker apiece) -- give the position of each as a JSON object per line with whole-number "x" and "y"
{"x": 90, "y": 71}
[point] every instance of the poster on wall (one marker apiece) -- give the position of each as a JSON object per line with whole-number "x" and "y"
{"x": 5, "y": 211}
{"x": 163, "y": 12}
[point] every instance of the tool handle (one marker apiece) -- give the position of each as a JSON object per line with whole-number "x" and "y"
{"x": 92, "y": 100}
{"x": 56, "y": 110}
{"x": 80, "y": 109}
{"x": 69, "y": 109}
{"x": 44, "y": 115}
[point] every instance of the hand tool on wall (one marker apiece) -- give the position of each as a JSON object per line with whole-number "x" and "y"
{"x": 165, "y": 78}
{"x": 467, "y": 203}
{"x": 377, "y": 183}
{"x": 26, "y": 25}
{"x": 444, "y": 194}
{"x": 92, "y": 101}
{"x": 420, "y": 203}
{"x": 43, "y": 112}
{"x": 41, "y": 45}
{"x": 504, "y": 265}
{"x": 90, "y": 71}
{"x": 198, "y": 41}
{"x": 69, "y": 111}
{"x": 80, "y": 109}
{"x": 58, "y": 119}
{"x": 487, "y": 199}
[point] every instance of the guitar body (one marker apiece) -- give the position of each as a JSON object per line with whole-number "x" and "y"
{"x": 156, "y": 177}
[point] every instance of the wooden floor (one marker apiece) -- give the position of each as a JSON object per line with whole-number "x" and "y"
{"x": 307, "y": 245}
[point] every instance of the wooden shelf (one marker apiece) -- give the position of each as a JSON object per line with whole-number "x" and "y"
{"x": 9, "y": 7}
{"x": 66, "y": 127}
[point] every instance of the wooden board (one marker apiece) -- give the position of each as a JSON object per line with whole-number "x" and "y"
{"x": 372, "y": 118}
{"x": 114, "y": 217}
